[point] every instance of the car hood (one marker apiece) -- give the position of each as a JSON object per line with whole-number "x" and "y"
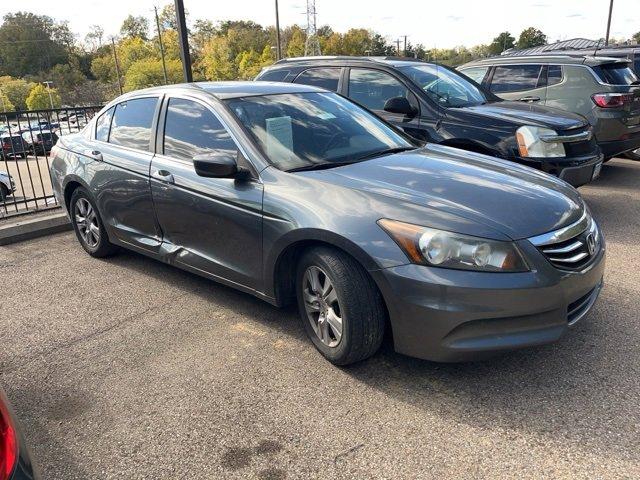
{"x": 516, "y": 201}
{"x": 522, "y": 113}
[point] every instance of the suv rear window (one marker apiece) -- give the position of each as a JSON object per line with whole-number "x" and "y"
{"x": 615, "y": 74}
{"x": 277, "y": 75}
{"x": 515, "y": 78}
{"x": 320, "y": 77}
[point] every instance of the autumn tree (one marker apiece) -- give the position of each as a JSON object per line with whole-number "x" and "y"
{"x": 133, "y": 27}
{"x": 42, "y": 98}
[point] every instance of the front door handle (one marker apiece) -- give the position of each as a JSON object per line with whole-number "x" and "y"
{"x": 529, "y": 99}
{"x": 162, "y": 175}
{"x": 94, "y": 154}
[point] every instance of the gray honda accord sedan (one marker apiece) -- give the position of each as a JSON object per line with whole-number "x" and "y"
{"x": 295, "y": 194}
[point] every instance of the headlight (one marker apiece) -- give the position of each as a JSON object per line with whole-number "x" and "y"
{"x": 530, "y": 143}
{"x": 439, "y": 248}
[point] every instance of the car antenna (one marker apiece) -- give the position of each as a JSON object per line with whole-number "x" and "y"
{"x": 595, "y": 52}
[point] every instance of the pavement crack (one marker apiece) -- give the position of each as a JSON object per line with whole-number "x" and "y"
{"x": 347, "y": 452}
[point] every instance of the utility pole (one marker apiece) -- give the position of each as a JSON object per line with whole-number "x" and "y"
{"x": 278, "y": 47}
{"x": 164, "y": 66}
{"x": 405, "y": 46}
{"x": 184, "y": 41}
{"x": 48, "y": 84}
{"x": 606, "y": 40}
{"x": 115, "y": 58}
{"x": 398, "y": 47}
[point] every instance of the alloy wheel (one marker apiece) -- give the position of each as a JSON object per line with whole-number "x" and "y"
{"x": 322, "y": 306}
{"x": 87, "y": 222}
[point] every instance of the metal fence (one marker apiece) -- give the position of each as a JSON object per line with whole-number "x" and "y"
{"x": 26, "y": 139}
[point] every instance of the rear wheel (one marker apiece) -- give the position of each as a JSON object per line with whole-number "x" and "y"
{"x": 633, "y": 154}
{"x": 340, "y": 306}
{"x": 88, "y": 225}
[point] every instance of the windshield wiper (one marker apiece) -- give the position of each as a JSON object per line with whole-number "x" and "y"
{"x": 386, "y": 151}
{"x": 318, "y": 166}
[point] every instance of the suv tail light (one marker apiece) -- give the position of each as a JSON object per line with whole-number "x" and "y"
{"x": 8, "y": 442}
{"x": 612, "y": 100}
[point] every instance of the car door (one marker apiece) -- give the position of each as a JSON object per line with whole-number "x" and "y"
{"x": 372, "y": 88}
{"x": 525, "y": 83}
{"x": 211, "y": 225}
{"x": 123, "y": 150}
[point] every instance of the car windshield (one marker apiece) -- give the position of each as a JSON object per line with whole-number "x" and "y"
{"x": 307, "y": 130}
{"x": 616, "y": 74}
{"x": 444, "y": 86}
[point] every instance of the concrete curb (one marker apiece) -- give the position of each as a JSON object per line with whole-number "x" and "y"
{"x": 26, "y": 228}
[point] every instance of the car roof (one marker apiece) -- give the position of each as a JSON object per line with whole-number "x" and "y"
{"x": 225, "y": 90}
{"x": 324, "y": 59}
{"x": 579, "y": 59}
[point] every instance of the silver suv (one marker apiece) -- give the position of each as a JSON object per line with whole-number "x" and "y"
{"x": 603, "y": 89}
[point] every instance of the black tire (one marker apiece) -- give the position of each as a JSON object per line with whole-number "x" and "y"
{"x": 360, "y": 303}
{"x": 633, "y": 154}
{"x": 103, "y": 247}
{"x": 4, "y": 192}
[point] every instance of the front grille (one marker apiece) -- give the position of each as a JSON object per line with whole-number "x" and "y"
{"x": 573, "y": 247}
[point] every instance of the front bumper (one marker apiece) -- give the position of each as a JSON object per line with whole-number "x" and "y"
{"x": 576, "y": 171}
{"x": 452, "y": 315}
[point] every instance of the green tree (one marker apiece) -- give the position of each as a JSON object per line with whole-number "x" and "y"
{"x": 135, "y": 27}
{"x": 295, "y": 45}
{"x": 148, "y": 73}
{"x": 93, "y": 39}
{"x": 41, "y": 98}
{"x": 17, "y": 90}
{"x": 502, "y": 42}
{"x": 636, "y": 37}
{"x": 32, "y": 43}
{"x": 531, "y": 37}
{"x": 5, "y": 103}
{"x": 167, "y": 16}
{"x": 217, "y": 62}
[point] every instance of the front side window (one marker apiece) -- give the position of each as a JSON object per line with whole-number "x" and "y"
{"x": 103, "y": 124}
{"x": 372, "y": 88}
{"x": 191, "y": 129}
{"x": 303, "y": 130}
{"x": 327, "y": 78}
{"x": 131, "y": 124}
{"x": 515, "y": 78}
{"x": 445, "y": 87}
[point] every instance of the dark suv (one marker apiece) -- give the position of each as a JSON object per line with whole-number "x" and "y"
{"x": 437, "y": 104}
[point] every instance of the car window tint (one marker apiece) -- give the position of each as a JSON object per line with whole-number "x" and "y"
{"x": 476, "y": 73}
{"x": 616, "y": 74}
{"x": 131, "y": 124}
{"x": 191, "y": 129}
{"x": 320, "y": 77}
{"x": 103, "y": 124}
{"x": 513, "y": 78}
{"x": 276, "y": 75}
{"x": 554, "y": 75}
{"x": 372, "y": 88}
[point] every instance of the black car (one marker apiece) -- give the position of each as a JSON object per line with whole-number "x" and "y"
{"x": 40, "y": 142}
{"x": 437, "y": 104}
{"x": 13, "y": 146}
{"x": 15, "y": 461}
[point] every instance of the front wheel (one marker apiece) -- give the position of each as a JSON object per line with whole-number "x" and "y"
{"x": 633, "y": 154}
{"x": 340, "y": 306}
{"x": 88, "y": 225}
{"x": 4, "y": 192}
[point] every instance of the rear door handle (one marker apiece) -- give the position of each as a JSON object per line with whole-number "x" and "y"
{"x": 162, "y": 175}
{"x": 529, "y": 99}
{"x": 95, "y": 154}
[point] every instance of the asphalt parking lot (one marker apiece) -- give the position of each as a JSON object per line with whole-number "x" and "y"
{"x": 128, "y": 368}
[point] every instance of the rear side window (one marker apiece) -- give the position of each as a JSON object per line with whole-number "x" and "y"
{"x": 131, "y": 124}
{"x": 372, "y": 88}
{"x": 615, "y": 74}
{"x": 191, "y": 129}
{"x": 636, "y": 65}
{"x": 476, "y": 74}
{"x": 554, "y": 75}
{"x": 514, "y": 78}
{"x": 103, "y": 124}
{"x": 277, "y": 75}
{"x": 320, "y": 77}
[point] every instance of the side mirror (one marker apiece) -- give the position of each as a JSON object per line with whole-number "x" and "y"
{"x": 399, "y": 105}
{"x": 215, "y": 165}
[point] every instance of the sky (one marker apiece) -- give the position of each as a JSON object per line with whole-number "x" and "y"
{"x": 442, "y": 24}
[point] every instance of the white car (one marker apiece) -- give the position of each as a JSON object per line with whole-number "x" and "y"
{"x": 7, "y": 185}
